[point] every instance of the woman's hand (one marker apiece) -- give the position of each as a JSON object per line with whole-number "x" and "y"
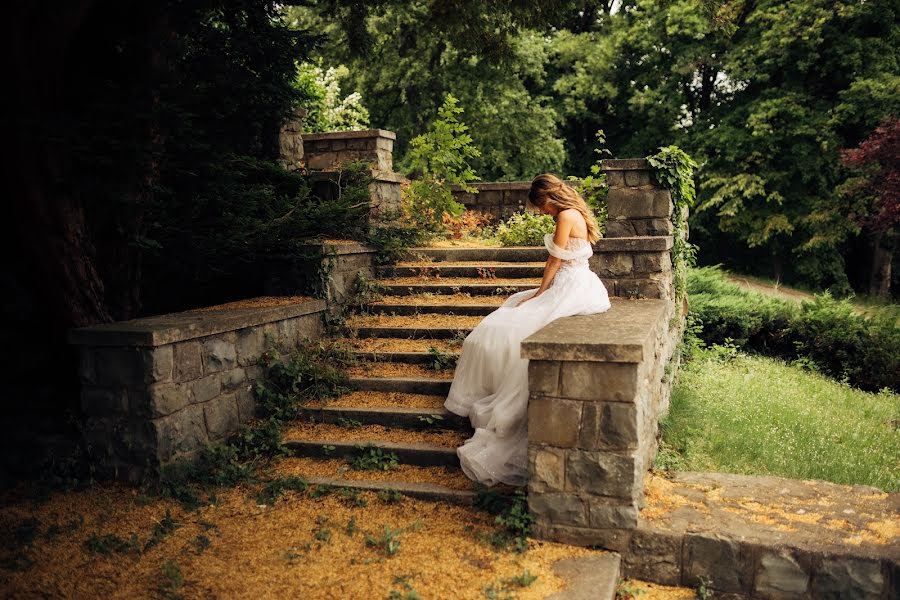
{"x": 538, "y": 293}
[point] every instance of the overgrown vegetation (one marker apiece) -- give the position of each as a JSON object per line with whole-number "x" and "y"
{"x": 828, "y": 335}
{"x": 510, "y": 515}
{"x": 525, "y": 229}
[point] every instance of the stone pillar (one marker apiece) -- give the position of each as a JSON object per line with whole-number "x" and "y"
{"x": 595, "y": 396}
{"x": 633, "y": 258}
{"x": 290, "y": 141}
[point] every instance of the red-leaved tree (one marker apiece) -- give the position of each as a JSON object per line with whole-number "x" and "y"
{"x": 874, "y": 195}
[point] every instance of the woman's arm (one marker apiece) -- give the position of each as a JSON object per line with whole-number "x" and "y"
{"x": 564, "y": 223}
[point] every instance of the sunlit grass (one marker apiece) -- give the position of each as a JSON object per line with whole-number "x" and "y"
{"x": 737, "y": 413}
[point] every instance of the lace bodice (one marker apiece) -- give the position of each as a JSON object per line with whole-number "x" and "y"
{"x": 575, "y": 255}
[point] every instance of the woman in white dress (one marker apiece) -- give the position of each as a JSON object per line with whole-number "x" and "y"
{"x": 490, "y": 385}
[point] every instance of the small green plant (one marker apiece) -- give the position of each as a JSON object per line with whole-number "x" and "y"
{"x": 276, "y": 487}
{"x": 390, "y": 496}
{"x": 407, "y": 592}
{"x": 170, "y": 580}
{"x": 370, "y": 458}
{"x": 161, "y": 529}
{"x": 350, "y": 529}
{"x": 703, "y": 591}
{"x": 201, "y": 543}
{"x": 441, "y": 361}
{"x": 111, "y": 543}
{"x": 327, "y": 449}
{"x": 627, "y": 591}
{"x": 353, "y": 497}
{"x": 512, "y": 518}
{"x": 525, "y": 229}
{"x": 348, "y": 423}
{"x": 388, "y": 542}
{"x": 523, "y": 580}
{"x": 431, "y": 419}
{"x": 322, "y": 490}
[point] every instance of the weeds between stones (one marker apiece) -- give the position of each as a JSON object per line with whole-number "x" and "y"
{"x": 441, "y": 361}
{"x": 370, "y": 458}
{"x": 511, "y": 516}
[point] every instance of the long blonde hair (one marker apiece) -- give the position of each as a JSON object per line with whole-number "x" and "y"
{"x": 550, "y": 188}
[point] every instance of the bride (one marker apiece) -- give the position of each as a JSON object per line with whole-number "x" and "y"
{"x": 491, "y": 381}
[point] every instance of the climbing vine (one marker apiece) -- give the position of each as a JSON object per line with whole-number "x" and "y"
{"x": 674, "y": 169}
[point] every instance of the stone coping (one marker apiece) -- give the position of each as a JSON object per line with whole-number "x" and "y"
{"x": 624, "y": 164}
{"x": 621, "y": 334}
{"x": 346, "y": 135}
{"x": 379, "y": 175}
{"x": 176, "y": 327}
{"x": 659, "y": 243}
{"x": 488, "y": 186}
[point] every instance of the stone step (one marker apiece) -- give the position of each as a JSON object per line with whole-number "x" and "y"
{"x": 592, "y": 577}
{"x": 358, "y": 399}
{"x": 483, "y": 254}
{"x": 486, "y": 272}
{"x": 385, "y": 308}
{"x": 420, "y": 490}
{"x": 406, "y": 418}
{"x": 414, "y": 321}
{"x": 380, "y": 369}
{"x": 408, "y": 385}
{"x": 375, "y": 345}
{"x": 475, "y": 287}
{"x": 442, "y": 333}
{"x": 432, "y": 299}
{"x": 410, "y": 358}
{"x": 423, "y": 455}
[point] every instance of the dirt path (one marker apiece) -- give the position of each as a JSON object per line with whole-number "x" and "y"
{"x": 769, "y": 289}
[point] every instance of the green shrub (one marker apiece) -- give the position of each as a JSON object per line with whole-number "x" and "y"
{"x": 525, "y": 229}
{"x": 827, "y": 334}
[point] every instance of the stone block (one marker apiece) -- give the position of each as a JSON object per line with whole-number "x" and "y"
{"x": 320, "y": 161}
{"x": 653, "y": 556}
{"x": 161, "y": 399}
{"x": 652, "y": 262}
{"x": 287, "y": 334}
{"x": 615, "y": 540}
{"x": 157, "y": 364}
{"x": 187, "y": 358}
{"x": 598, "y": 381}
{"x": 337, "y": 145}
{"x": 615, "y": 179}
{"x": 780, "y": 577}
{"x": 726, "y": 563}
{"x": 543, "y": 376}
{"x": 554, "y": 421}
{"x": 183, "y": 431}
{"x": 620, "y": 228}
{"x": 637, "y": 178}
{"x": 608, "y": 425}
{"x": 249, "y": 345}
{"x": 101, "y": 402}
{"x": 613, "y": 264}
{"x": 848, "y": 578}
{"x": 546, "y": 469}
{"x": 652, "y": 227}
{"x": 604, "y": 473}
{"x": 643, "y": 288}
{"x": 558, "y": 509}
{"x": 246, "y": 403}
{"x": 638, "y": 203}
{"x": 606, "y": 514}
{"x": 221, "y": 416}
{"x": 233, "y": 379}
{"x": 219, "y": 353}
{"x": 357, "y": 144}
{"x": 254, "y": 372}
{"x": 206, "y": 388}
{"x": 119, "y": 366}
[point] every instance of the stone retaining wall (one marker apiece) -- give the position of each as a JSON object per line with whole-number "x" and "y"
{"x": 499, "y": 199}
{"x": 158, "y": 389}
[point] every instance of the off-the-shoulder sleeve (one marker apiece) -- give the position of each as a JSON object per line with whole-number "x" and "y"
{"x": 564, "y": 254}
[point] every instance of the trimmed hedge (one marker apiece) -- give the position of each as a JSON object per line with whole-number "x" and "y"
{"x": 827, "y": 333}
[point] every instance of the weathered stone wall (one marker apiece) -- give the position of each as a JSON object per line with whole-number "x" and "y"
{"x": 499, "y": 199}
{"x": 158, "y": 389}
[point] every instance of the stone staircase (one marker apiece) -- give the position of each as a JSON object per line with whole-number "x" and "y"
{"x": 430, "y": 303}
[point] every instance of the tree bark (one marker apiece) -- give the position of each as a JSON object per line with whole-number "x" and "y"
{"x": 880, "y": 275}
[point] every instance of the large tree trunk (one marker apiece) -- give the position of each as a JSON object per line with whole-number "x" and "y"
{"x": 880, "y": 274}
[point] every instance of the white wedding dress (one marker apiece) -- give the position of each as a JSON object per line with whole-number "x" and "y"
{"x": 491, "y": 381}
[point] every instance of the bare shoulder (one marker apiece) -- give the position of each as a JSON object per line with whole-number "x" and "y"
{"x": 570, "y": 215}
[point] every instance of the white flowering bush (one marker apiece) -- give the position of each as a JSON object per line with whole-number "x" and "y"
{"x": 328, "y": 111}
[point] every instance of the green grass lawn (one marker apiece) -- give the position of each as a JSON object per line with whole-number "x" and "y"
{"x": 736, "y": 413}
